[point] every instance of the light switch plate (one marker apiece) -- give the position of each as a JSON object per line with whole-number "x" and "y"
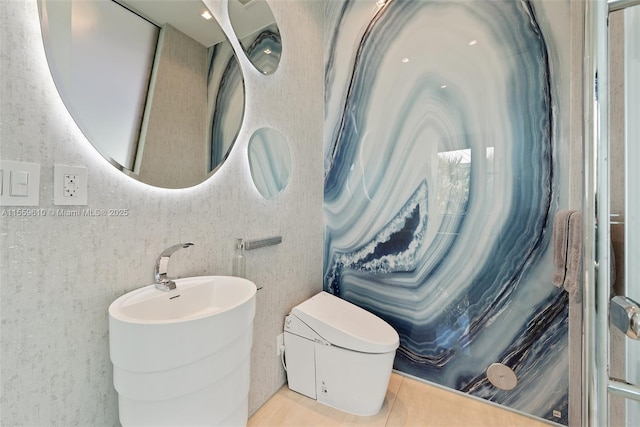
{"x": 20, "y": 183}
{"x": 70, "y": 185}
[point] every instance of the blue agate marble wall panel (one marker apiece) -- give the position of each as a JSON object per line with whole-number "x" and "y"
{"x": 264, "y": 48}
{"x": 442, "y": 152}
{"x": 225, "y": 101}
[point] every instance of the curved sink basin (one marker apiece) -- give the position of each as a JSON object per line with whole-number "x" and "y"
{"x": 190, "y": 345}
{"x": 193, "y": 298}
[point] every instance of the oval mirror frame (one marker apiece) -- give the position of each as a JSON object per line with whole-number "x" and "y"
{"x": 269, "y": 162}
{"x": 186, "y": 116}
{"x": 257, "y": 32}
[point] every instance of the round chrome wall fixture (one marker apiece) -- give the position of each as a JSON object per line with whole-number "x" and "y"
{"x": 502, "y": 376}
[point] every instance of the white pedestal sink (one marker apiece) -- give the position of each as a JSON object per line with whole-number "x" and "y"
{"x": 182, "y": 357}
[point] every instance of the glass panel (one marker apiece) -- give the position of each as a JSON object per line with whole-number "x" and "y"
{"x": 632, "y": 215}
{"x": 624, "y": 98}
{"x": 617, "y": 340}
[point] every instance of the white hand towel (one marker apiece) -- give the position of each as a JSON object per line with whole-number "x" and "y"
{"x": 573, "y": 279}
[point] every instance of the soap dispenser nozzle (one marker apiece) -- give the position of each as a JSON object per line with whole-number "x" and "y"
{"x": 238, "y": 268}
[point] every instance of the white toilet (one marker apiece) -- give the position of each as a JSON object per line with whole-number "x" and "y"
{"x": 339, "y": 354}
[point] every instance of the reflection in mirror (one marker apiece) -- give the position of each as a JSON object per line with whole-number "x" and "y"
{"x": 454, "y": 181}
{"x": 154, "y": 86}
{"x": 258, "y": 33}
{"x": 269, "y": 161}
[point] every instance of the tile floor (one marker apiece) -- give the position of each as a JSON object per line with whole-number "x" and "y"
{"x": 408, "y": 403}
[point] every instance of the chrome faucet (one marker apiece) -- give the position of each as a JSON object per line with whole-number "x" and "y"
{"x": 163, "y": 282}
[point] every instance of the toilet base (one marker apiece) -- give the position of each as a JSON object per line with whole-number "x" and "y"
{"x": 347, "y": 380}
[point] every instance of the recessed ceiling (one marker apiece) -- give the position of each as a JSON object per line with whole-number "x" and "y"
{"x": 181, "y": 14}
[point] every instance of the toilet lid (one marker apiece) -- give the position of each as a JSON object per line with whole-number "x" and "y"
{"x": 346, "y": 325}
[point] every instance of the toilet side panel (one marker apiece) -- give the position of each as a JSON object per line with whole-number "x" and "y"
{"x": 300, "y": 360}
{"x": 351, "y": 381}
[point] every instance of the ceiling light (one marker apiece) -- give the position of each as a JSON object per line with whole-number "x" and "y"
{"x": 206, "y": 15}
{"x": 472, "y": 42}
{"x": 405, "y": 60}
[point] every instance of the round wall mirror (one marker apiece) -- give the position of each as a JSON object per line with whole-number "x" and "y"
{"x": 154, "y": 85}
{"x": 269, "y": 161}
{"x": 258, "y": 33}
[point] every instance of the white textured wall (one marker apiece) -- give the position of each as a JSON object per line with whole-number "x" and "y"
{"x": 59, "y": 274}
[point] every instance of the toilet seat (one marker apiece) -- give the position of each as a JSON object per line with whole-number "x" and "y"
{"x": 345, "y": 325}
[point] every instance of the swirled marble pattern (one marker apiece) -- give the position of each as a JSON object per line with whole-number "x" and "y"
{"x": 264, "y": 48}
{"x": 269, "y": 161}
{"x": 225, "y": 101}
{"x": 440, "y": 187}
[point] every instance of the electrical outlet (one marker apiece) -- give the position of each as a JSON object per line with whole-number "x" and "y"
{"x": 279, "y": 344}
{"x": 70, "y": 185}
